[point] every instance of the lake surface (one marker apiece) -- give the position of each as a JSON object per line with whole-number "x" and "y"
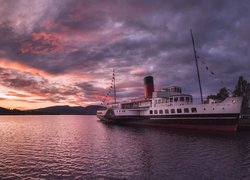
{"x": 80, "y": 147}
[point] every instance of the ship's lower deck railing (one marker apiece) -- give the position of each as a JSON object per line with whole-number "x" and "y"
{"x": 245, "y": 116}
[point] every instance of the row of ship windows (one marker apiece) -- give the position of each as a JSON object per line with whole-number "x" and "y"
{"x": 173, "y": 111}
{"x": 174, "y": 99}
{"x": 120, "y": 111}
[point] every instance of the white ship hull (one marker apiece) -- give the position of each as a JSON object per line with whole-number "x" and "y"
{"x": 223, "y": 116}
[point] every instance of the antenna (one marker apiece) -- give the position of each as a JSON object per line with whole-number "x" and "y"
{"x": 197, "y": 67}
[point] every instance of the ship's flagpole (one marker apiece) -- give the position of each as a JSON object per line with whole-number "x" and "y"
{"x": 114, "y": 85}
{"x": 197, "y": 67}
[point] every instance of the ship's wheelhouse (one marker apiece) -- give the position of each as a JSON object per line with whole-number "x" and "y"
{"x": 187, "y": 99}
{"x": 171, "y": 95}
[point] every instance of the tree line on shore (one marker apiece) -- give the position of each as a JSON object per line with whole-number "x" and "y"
{"x": 242, "y": 88}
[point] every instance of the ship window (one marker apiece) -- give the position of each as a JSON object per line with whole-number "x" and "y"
{"x": 171, "y": 99}
{"x": 175, "y": 99}
{"x": 178, "y": 110}
{"x": 181, "y": 98}
{"x": 187, "y": 99}
{"x": 155, "y": 112}
{"x": 186, "y": 110}
{"x": 193, "y": 110}
{"x": 172, "y": 111}
{"x": 166, "y": 111}
{"x": 151, "y": 112}
{"x": 160, "y": 111}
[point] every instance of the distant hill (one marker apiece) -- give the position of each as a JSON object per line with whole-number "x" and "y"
{"x": 55, "y": 110}
{"x": 4, "y": 111}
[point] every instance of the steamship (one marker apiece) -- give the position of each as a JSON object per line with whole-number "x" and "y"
{"x": 169, "y": 107}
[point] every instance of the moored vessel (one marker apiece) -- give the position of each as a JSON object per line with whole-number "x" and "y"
{"x": 169, "y": 107}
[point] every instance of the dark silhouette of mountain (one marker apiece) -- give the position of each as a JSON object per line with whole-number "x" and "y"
{"x": 92, "y": 109}
{"x": 4, "y": 111}
{"x": 89, "y": 110}
{"x": 55, "y": 110}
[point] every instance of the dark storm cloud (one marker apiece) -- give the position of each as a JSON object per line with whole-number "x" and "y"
{"x": 87, "y": 35}
{"x": 81, "y": 15}
{"x": 8, "y": 44}
{"x": 89, "y": 88}
{"x": 91, "y": 92}
{"x": 12, "y": 78}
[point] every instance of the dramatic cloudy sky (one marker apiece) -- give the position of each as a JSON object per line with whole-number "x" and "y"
{"x": 55, "y": 52}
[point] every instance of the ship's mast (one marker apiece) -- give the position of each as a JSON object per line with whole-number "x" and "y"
{"x": 197, "y": 67}
{"x": 114, "y": 85}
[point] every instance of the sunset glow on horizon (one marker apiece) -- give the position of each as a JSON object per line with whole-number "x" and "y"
{"x": 64, "y": 52}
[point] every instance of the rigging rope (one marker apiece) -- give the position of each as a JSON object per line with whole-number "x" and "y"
{"x": 110, "y": 89}
{"x": 214, "y": 74}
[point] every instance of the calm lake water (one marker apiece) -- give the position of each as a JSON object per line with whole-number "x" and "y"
{"x": 80, "y": 147}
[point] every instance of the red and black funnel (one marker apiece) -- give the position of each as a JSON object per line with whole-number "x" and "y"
{"x": 148, "y": 86}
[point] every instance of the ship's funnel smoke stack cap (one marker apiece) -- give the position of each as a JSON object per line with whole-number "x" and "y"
{"x": 148, "y": 86}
